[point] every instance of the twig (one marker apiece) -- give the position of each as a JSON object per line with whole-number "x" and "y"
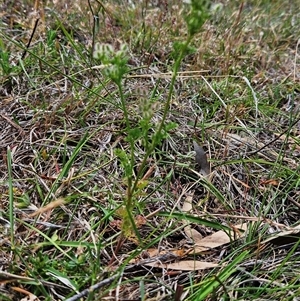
{"x": 12, "y": 123}
{"x": 260, "y": 149}
{"x": 32, "y": 34}
{"x": 92, "y": 288}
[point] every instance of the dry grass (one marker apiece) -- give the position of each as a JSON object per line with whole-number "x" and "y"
{"x": 63, "y": 188}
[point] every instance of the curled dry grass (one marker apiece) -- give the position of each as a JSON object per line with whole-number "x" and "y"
{"x": 238, "y": 92}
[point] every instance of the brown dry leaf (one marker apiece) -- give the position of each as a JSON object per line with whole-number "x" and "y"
{"x": 218, "y": 239}
{"x": 187, "y": 207}
{"x": 193, "y": 234}
{"x": 29, "y": 296}
{"x": 155, "y": 252}
{"x": 212, "y": 241}
{"x": 57, "y": 203}
{"x": 184, "y": 265}
{"x": 283, "y": 238}
{"x": 272, "y": 182}
{"x": 140, "y": 221}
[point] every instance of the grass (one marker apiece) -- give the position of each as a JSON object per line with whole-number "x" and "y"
{"x": 100, "y": 194}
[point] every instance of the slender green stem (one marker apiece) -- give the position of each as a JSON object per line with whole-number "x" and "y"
{"x": 132, "y": 185}
{"x": 174, "y": 76}
{"x": 11, "y": 198}
{"x": 129, "y": 177}
{"x": 123, "y": 103}
{"x": 165, "y": 113}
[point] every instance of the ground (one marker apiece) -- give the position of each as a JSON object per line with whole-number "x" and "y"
{"x": 102, "y": 193}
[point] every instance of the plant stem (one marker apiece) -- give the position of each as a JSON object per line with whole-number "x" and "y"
{"x": 166, "y": 110}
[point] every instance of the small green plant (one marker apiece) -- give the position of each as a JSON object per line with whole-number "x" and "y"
{"x": 115, "y": 63}
{"x": 4, "y": 61}
{"x": 6, "y": 66}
